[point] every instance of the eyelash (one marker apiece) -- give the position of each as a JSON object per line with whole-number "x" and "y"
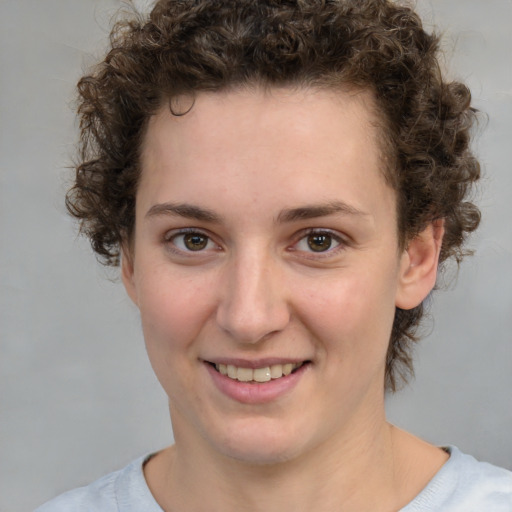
{"x": 170, "y": 241}
{"x": 331, "y": 251}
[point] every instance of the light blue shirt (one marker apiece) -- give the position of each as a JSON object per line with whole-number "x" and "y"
{"x": 462, "y": 485}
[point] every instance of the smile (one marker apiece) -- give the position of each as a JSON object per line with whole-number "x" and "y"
{"x": 265, "y": 374}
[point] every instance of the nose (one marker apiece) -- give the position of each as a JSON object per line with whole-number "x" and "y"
{"x": 253, "y": 304}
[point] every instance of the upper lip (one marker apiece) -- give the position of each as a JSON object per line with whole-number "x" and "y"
{"x": 254, "y": 363}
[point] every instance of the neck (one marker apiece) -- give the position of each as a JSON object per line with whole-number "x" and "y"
{"x": 359, "y": 471}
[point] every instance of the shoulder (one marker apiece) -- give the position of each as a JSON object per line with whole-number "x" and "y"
{"x": 464, "y": 484}
{"x": 121, "y": 491}
{"x": 99, "y": 495}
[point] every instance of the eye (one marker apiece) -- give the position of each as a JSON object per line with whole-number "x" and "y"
{"x": 191, "y": 241}
{"x": 318, "y": 241}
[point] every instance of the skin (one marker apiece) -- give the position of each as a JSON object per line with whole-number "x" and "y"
{"x": 237, "y": 171}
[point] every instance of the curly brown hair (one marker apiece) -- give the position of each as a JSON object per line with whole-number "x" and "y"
{"x": 187, "y": 46}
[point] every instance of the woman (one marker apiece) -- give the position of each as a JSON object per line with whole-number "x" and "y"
{"x": 280, "y": 182}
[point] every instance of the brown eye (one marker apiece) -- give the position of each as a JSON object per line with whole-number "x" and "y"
{"x": 319, "y": 242}
{"x": 195, "y": 241}
{"x": 190, "y": 241}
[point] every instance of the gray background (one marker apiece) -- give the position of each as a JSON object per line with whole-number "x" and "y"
{"x": 77, "y": 395}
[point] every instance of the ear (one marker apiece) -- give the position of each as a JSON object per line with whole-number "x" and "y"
{"x": 127, "y": 274}
{"x": 418, "y": 266}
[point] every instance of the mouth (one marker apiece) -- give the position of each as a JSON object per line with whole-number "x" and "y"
{"x": 258, "y": 375}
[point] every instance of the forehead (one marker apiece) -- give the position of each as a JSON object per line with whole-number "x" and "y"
{"x": 259, "y": 143}
{"x": 203, "y": 116}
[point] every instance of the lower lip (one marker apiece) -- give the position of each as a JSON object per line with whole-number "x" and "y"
{"x": 256, "y": 392}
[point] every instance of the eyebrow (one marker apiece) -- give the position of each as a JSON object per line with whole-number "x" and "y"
{"x": 321, "y": 210}
{"x": 190, "y": 211}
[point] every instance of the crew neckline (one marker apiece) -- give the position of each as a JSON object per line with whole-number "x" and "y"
{"x": 131, "y": 483}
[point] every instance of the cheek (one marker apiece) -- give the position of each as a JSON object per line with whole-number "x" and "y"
{"x": 173, "y": 309}
{"x": 173, "y": 313}
{"x": 352, "y": 315}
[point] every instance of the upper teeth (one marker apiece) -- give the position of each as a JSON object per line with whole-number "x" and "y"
{"x": 257, "y": 374}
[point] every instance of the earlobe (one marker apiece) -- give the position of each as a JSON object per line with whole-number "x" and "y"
{"x": 418, "y": 267}
{"x": 127, "y": 275}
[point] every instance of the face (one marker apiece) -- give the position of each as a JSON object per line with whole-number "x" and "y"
{"x": 266, "y": 268}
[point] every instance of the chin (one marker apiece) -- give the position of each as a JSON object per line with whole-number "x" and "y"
{"x": 261, "y": 444}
